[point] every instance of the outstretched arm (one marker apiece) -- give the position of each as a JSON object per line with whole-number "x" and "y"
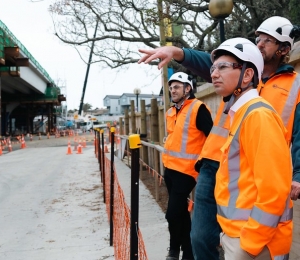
{"x": 196, "y": 61}
{"x": 165, "y": 54}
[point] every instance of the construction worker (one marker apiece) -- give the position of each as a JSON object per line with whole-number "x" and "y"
{"x": 188, "y": 124}
{"x": 275, "y": 39}
{"x": 254, "y": 208}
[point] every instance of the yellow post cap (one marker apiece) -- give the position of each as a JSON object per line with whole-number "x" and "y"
{"x": 112, "y": 129}
{"x": 101, "y": 131}
{"x": 134, "y": 141}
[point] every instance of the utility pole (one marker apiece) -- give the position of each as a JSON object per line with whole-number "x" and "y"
{"x": 87, "y": 71}
{"x": 162, "y": 32}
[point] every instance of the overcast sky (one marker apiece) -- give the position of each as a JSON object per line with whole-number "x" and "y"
{"x": 32, "y": 25}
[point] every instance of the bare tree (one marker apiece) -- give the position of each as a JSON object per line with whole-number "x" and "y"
{"x": 125, "y": 25}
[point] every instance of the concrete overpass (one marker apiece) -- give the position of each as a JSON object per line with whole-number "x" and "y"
{"x": 26, "y": 88}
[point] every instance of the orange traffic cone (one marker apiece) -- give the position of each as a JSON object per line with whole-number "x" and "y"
{"x": 1, "y": 150}
{"x": 23, "y": 145}
{"x": 79, "y": 148}
{"x": 9, "y": 146}
{"x": 69, "y": 151}
{"x": 48, "y": 135}
{"x": 4, "y": 143}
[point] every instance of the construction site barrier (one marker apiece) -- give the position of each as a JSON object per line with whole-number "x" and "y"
{"x": 121, "y": 212}
{"x": 121, "y": 219}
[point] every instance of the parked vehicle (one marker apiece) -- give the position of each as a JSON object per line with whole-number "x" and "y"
{"x": 86, "y": 125}
{"x": 69, "y": 124}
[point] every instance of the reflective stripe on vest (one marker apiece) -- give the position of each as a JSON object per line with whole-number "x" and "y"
{"x": 230, "y": 211}
{"x": 183, "y": 154}
{"x": 290, "y": 102}
{"x": 281, "y": 257}
{"x": 219, "y": 129}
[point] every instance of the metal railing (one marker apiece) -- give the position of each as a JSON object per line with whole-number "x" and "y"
{"x": 150, "y": 158}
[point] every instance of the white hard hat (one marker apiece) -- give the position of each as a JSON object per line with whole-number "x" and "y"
{"x": 181, "y": 77}
{"x": 243, "y": 49}
{"x": 278, "y": 27}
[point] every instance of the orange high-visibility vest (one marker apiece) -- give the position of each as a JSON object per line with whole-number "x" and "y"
{"x": 283, "y": 92}
{"x": 184, "y": 142}
{"x": 217, "y": 136}
{"x": 254, "y": 180}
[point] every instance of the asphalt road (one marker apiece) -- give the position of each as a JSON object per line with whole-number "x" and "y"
{"x": 52, "y": 206}
{"x": 51, "y": 203}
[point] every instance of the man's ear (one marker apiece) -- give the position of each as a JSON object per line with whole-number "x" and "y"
{"x": 285, "y": 50}
{"x": 188, "y": 89}
{"x": 248, "y": 75}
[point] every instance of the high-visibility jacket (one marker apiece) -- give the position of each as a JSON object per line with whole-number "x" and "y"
{"x": 283, "y": 92}
{"x": 217, "y": 136}
{"x": 254, "y": 180}
{"x": 184, "y": 141}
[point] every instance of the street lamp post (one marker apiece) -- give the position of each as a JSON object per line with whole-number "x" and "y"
{"x": 137, "y": 91}
{"x": 220, "y": 9}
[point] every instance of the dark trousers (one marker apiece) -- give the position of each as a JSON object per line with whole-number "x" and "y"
{"x": 179, "y": 187}
{"x": 205, "y": 233}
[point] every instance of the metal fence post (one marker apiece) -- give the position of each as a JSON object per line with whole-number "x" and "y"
{"x": 95, "y": 147}
{"x": 134, "y": 144}
{"x": 112, "y": 180}
{"x": 99, "y": 152}
{"x": 103, "y": 163}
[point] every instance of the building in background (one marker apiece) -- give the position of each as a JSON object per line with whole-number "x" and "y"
{"x": 116, "y": 105}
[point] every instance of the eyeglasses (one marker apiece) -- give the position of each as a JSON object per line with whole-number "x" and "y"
{"x": 175, "y": 87}
{"x": 223, "y": 66}
{"x": 265, "y": 41}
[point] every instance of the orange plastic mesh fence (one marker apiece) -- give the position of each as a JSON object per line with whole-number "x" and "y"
{"x": 121, "y": 219}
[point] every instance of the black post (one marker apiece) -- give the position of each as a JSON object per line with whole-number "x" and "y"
{"x": 112, "y": 181}
{"x": 222, "y": 33}
{"x": 137, "y": 102}
{"x": 99, "y": 152}
{"x": 103, "y": 164}
{"x": 95, "y": 145}
{"x": 134, "y": 143}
